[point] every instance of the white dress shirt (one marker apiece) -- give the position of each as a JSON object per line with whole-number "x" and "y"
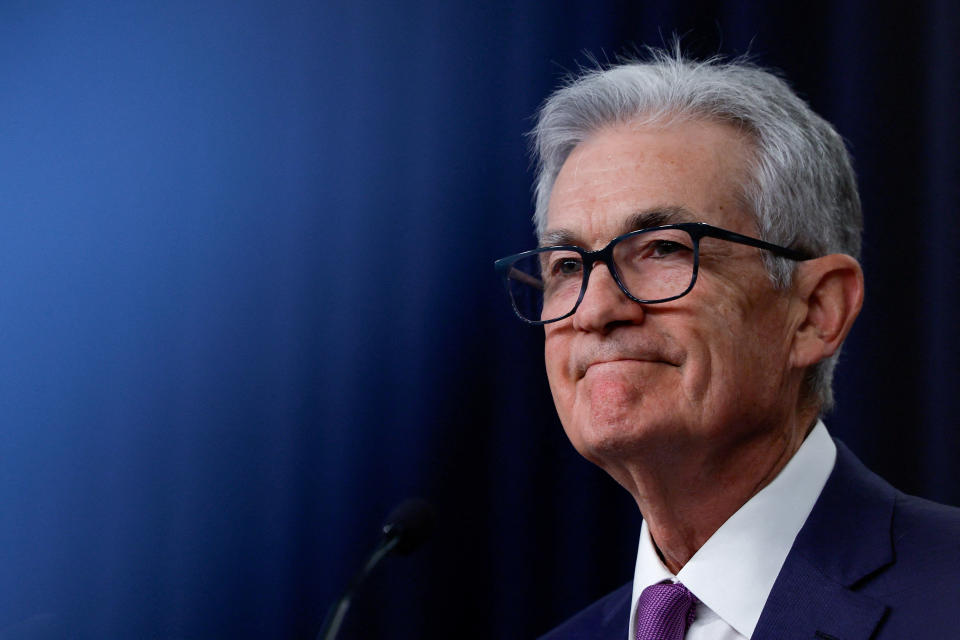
{"x": 733, "y": 572}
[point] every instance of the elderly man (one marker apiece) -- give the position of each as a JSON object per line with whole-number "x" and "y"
{"x": 697, "y": 274}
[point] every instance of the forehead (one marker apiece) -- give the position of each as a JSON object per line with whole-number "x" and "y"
{"x": 682, "y": 172}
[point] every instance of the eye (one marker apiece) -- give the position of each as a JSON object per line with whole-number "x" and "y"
{"x": 664, "y": 248}
{"x": 566, "y": 266}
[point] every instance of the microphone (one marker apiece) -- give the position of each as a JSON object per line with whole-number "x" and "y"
{"x": 407, "y": 527}
{"x": 410, "y": 523}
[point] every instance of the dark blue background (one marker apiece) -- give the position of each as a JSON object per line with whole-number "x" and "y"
{"x": 247, "y": 302}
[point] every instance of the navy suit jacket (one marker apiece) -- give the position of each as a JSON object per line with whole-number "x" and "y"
{"x": 870, "y": 562}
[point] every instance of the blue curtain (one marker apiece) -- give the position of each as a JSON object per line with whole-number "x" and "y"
{"x": 247, "y": 302}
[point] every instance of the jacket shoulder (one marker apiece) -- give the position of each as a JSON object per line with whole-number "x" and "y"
{"x": 926, "y": 542}
{"x": 919, "y": 518}
{"x": 607, "y": 618}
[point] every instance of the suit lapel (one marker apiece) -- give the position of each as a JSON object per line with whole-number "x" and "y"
{"x": 845, "y": 539}
{"x": 806, "y": 605}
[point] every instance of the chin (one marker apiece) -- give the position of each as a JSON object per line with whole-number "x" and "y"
{"x": 609, "y": 437}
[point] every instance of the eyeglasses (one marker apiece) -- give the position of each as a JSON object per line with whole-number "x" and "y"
{"x": 650, "y": 266}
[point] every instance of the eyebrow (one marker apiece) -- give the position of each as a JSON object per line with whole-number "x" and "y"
{"x": 644, "y": 219}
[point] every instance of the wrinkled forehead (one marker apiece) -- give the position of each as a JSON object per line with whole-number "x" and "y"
{"x": 626, "y": 177}
{"x": 641, "y": 219}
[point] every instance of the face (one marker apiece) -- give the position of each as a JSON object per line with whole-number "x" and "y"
{"x": 701, "y": 373}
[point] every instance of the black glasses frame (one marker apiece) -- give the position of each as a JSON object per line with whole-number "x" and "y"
{"x": 697, "y": 231}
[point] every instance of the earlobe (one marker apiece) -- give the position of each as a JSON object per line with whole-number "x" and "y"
{"x": 831, "y": 289}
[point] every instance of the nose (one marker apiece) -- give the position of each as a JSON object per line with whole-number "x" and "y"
{"x": 605, "y": 306}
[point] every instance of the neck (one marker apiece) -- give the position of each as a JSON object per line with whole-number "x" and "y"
{"x": 685, "y": 495}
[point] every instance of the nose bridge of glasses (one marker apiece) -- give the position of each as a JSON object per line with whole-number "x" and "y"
{"x": 605, "y": 257}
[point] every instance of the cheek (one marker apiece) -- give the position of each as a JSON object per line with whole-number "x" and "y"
{"x": 556, "y": 358}
{"x": 715, "y": 352}
{"x": 742, "y": 363}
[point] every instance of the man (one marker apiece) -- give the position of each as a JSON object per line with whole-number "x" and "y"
{"x": 697, "y": 274}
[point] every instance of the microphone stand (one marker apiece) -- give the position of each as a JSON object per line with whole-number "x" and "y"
{"x": 407, "y": 527}
{"x": 339, "y": 609}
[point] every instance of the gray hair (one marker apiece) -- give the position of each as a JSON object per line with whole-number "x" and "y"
{"x": 800, "y": 186}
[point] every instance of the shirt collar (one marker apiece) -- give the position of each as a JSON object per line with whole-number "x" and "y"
{"x": 734, "y": 571}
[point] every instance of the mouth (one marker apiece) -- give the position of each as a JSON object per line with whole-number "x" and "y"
{"x": 618, "y": 362}
{"x": 625, "y": 351}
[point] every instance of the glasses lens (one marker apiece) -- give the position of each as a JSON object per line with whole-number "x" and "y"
{"x": 653, "y": 265}
{"x": 545, "y": 285}
{"x": 656, "y": 265}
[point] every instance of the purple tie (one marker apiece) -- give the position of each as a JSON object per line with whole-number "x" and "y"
{"x": 665, "y": 611}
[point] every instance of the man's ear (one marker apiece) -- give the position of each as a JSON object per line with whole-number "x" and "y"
{"x": 831, "y": 290}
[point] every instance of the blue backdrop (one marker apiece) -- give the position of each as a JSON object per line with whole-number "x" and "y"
{"x": 247, "y": 302}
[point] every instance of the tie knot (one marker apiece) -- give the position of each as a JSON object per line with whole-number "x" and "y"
{"x": 665, "y": 611}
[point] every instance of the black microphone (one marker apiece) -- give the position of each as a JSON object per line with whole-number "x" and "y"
{"x": 407, "y": 527}
{"x": 410, "y": 523}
